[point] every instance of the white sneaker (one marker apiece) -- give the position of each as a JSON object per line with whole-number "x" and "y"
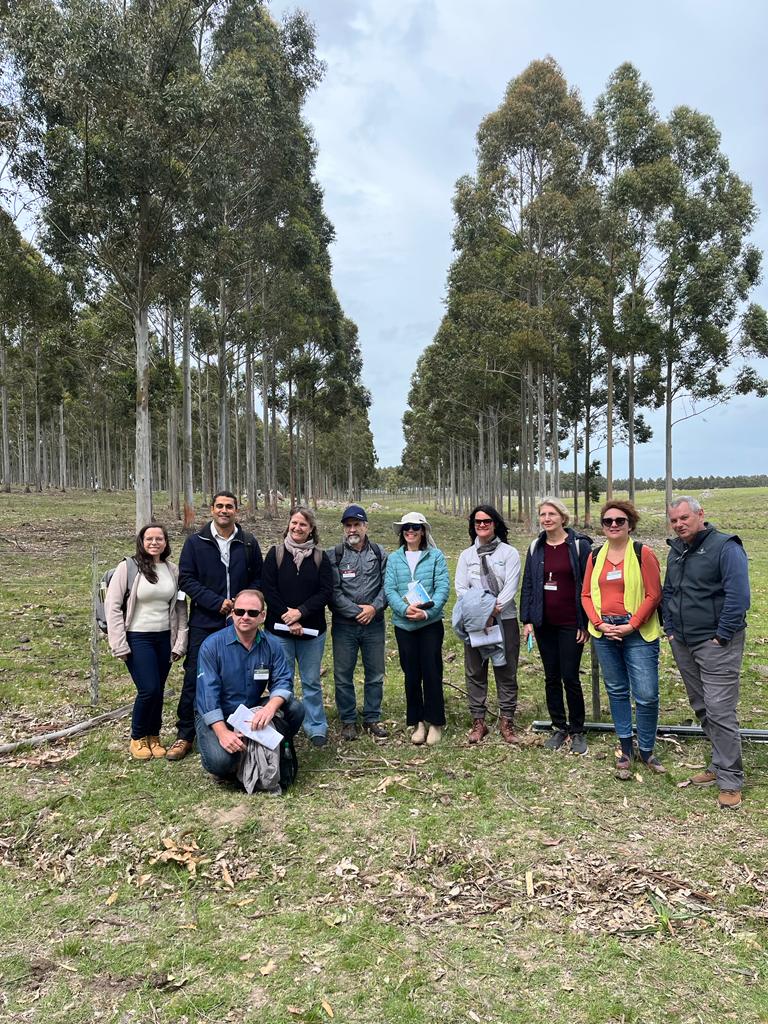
{"x": 419, "y": 734}
{"x": 434, "y": 735}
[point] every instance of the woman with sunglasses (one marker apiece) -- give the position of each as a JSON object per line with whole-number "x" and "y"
{"x": 621, "y": 592}
{"x": 147, "y": 628}
{"x": 494, "y": 566}
{"x": 550, "y": 607}
{"x": 416, "y": 585}
{"x": 298, "y": 584}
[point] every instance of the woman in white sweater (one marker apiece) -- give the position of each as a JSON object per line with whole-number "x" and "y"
{"x": 494, "y": 566}
{"x": 147, "y": 627}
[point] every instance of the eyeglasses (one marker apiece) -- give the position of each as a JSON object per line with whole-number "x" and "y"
{"x": 412, "y": 527}
{"x": 252, "y": 613}
{"x": 617, "y": 521}
{"x": 483, "y": 522}
{"x": 224, "y": 508}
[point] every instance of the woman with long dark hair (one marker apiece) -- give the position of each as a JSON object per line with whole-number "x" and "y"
{"x": 491, "y": 566}
{"x": 298, "y": 584}
{"x": 147, "y": 628}
{"x": 416, "y": 585}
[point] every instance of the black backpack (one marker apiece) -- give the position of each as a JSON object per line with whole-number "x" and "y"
{"x": 289, "y": 762}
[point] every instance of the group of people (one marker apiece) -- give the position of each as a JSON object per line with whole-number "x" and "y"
{"x": 253, "y": 620}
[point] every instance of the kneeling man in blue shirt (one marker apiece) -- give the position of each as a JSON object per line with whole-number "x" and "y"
{"x": 236, "y": 666}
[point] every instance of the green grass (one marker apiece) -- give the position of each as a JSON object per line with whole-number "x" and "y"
{"x": 393, "y": 884}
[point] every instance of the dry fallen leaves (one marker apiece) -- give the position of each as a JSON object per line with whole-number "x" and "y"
{"x": 269, "y": 968}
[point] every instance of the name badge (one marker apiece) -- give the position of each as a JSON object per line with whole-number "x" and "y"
{"x": 550, "y": 586}
{"x": 348, "y": 574}
{"x": 614, "y": 574}
{"x": 260, "y": 675}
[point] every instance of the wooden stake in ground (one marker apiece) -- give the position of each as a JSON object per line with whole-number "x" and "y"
{"x": 95, "y": 631}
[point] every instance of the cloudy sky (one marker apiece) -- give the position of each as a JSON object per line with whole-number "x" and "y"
{"x": 395, "y": 118}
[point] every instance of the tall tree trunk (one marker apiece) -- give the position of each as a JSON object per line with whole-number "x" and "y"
{"x": 668, "y": 434}
{"x": 143, "y": 463}
{"x": 223, "y": 477}
{"x": 62, "y": 450}
{"x": 631, "y": 424}
{"x": 186, "y": 417}
{"x": 4, "y": 417}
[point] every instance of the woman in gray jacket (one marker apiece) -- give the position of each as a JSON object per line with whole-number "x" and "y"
{"x": 493, "y": 566}
{"x": 147, "y": 628}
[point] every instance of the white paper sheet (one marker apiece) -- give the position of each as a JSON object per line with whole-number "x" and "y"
{"x": 485, "y": 638}
{"x": 282, "y": 628}
{"x": 240, "y": 719}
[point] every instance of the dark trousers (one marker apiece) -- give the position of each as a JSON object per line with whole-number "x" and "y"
{"x": 476, "y": 672}
{"x": 149, "y": 664}
{"x": 561, "y": 657}
{"x": 421, "y": 659}
{"x": 185, "y": 713}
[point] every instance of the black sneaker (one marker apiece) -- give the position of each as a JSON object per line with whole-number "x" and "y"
{"x": 318, "y": 741}
{"x": 349, "y": 731}
{"x": 578, "y": 743}
{"x": 556, "y": 740}
{"x": 376, "y": 729}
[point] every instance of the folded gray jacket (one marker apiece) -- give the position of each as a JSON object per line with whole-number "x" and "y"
{"x": 470, "y": 615}
{"x": 259, "y": 767}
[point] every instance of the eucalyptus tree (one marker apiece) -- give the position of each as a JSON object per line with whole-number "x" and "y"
{"x": 707, "y": 270}
{"x": 111, "y": 128}
{"x": 635, "y": 176}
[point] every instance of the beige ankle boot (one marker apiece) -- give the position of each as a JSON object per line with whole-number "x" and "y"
{"x": 434, "y": 735}
{"x": 419, "y": 734}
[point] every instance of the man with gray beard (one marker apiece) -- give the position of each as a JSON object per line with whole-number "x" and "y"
{"x": 358, "y": 623}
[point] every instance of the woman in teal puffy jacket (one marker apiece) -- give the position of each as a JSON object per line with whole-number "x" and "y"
{"x": 416, "y": 586}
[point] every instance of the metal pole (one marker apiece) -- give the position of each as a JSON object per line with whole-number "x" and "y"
{"x": 95, "y": 633}
{"x": 595, "y": 680}
{"x": 683, "y": 731}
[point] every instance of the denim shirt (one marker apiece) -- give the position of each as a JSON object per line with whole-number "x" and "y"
{"x": 225, "y": 673}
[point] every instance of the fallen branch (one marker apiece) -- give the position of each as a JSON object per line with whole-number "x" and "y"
{"x": 72, "y": 730}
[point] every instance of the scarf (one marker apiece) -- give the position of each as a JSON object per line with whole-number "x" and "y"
{"x": 299, "y": 551}
{"x": 483, "y": 550}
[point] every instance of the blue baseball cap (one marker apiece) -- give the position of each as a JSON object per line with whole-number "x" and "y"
{"x": 355, "y": 512}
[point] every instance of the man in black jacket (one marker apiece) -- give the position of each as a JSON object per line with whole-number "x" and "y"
{"x": 705, "y": 601}
{"x": 215, "y": 565}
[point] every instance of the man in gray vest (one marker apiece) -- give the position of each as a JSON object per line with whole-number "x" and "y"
{"x": 705, "y": 601}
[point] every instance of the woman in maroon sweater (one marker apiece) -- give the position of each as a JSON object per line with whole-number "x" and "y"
{"x": 550, "y": 607}
{"x": 298, "y": 584}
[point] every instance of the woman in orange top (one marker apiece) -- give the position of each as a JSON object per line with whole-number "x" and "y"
{"x": 620, "y": 594}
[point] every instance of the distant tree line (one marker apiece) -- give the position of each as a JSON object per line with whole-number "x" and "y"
{"x": 603, "y": 266}
{"x": 174, "y": 323}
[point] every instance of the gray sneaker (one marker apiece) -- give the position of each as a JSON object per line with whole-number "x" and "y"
{"x": 556, "y": 740}
{"x": 578, "y": 743}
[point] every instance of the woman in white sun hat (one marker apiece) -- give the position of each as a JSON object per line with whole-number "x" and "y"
{"x": 416, "y": 585}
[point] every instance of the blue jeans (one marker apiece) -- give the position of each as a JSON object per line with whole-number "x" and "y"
{"x": 631, "y": 671}
{"x": 308, "y": 652}
{"x": 149, "y": 664}
{"x": 218, "y": 761}
{"x": 349, "y": 637}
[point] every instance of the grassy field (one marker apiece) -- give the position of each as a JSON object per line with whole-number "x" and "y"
{"x": 393, "y": 884}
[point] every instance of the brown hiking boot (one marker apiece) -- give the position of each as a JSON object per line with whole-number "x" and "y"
{"x": 703, "y": 779}
{"x": 478, "y": 731}
{"x": 157, "y": 748}
{"x": 507, "y": 730}
{"x": 729, "y": 799}
{"x": 179, "y": 750}
{"x": 140, "y": 749}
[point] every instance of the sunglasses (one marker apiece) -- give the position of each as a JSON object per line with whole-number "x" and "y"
{"x": 483, "y": 522}
{"x": 411, "y": 527}
{"x": 252, "y": 613}
{"x": 618, "y": 521}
